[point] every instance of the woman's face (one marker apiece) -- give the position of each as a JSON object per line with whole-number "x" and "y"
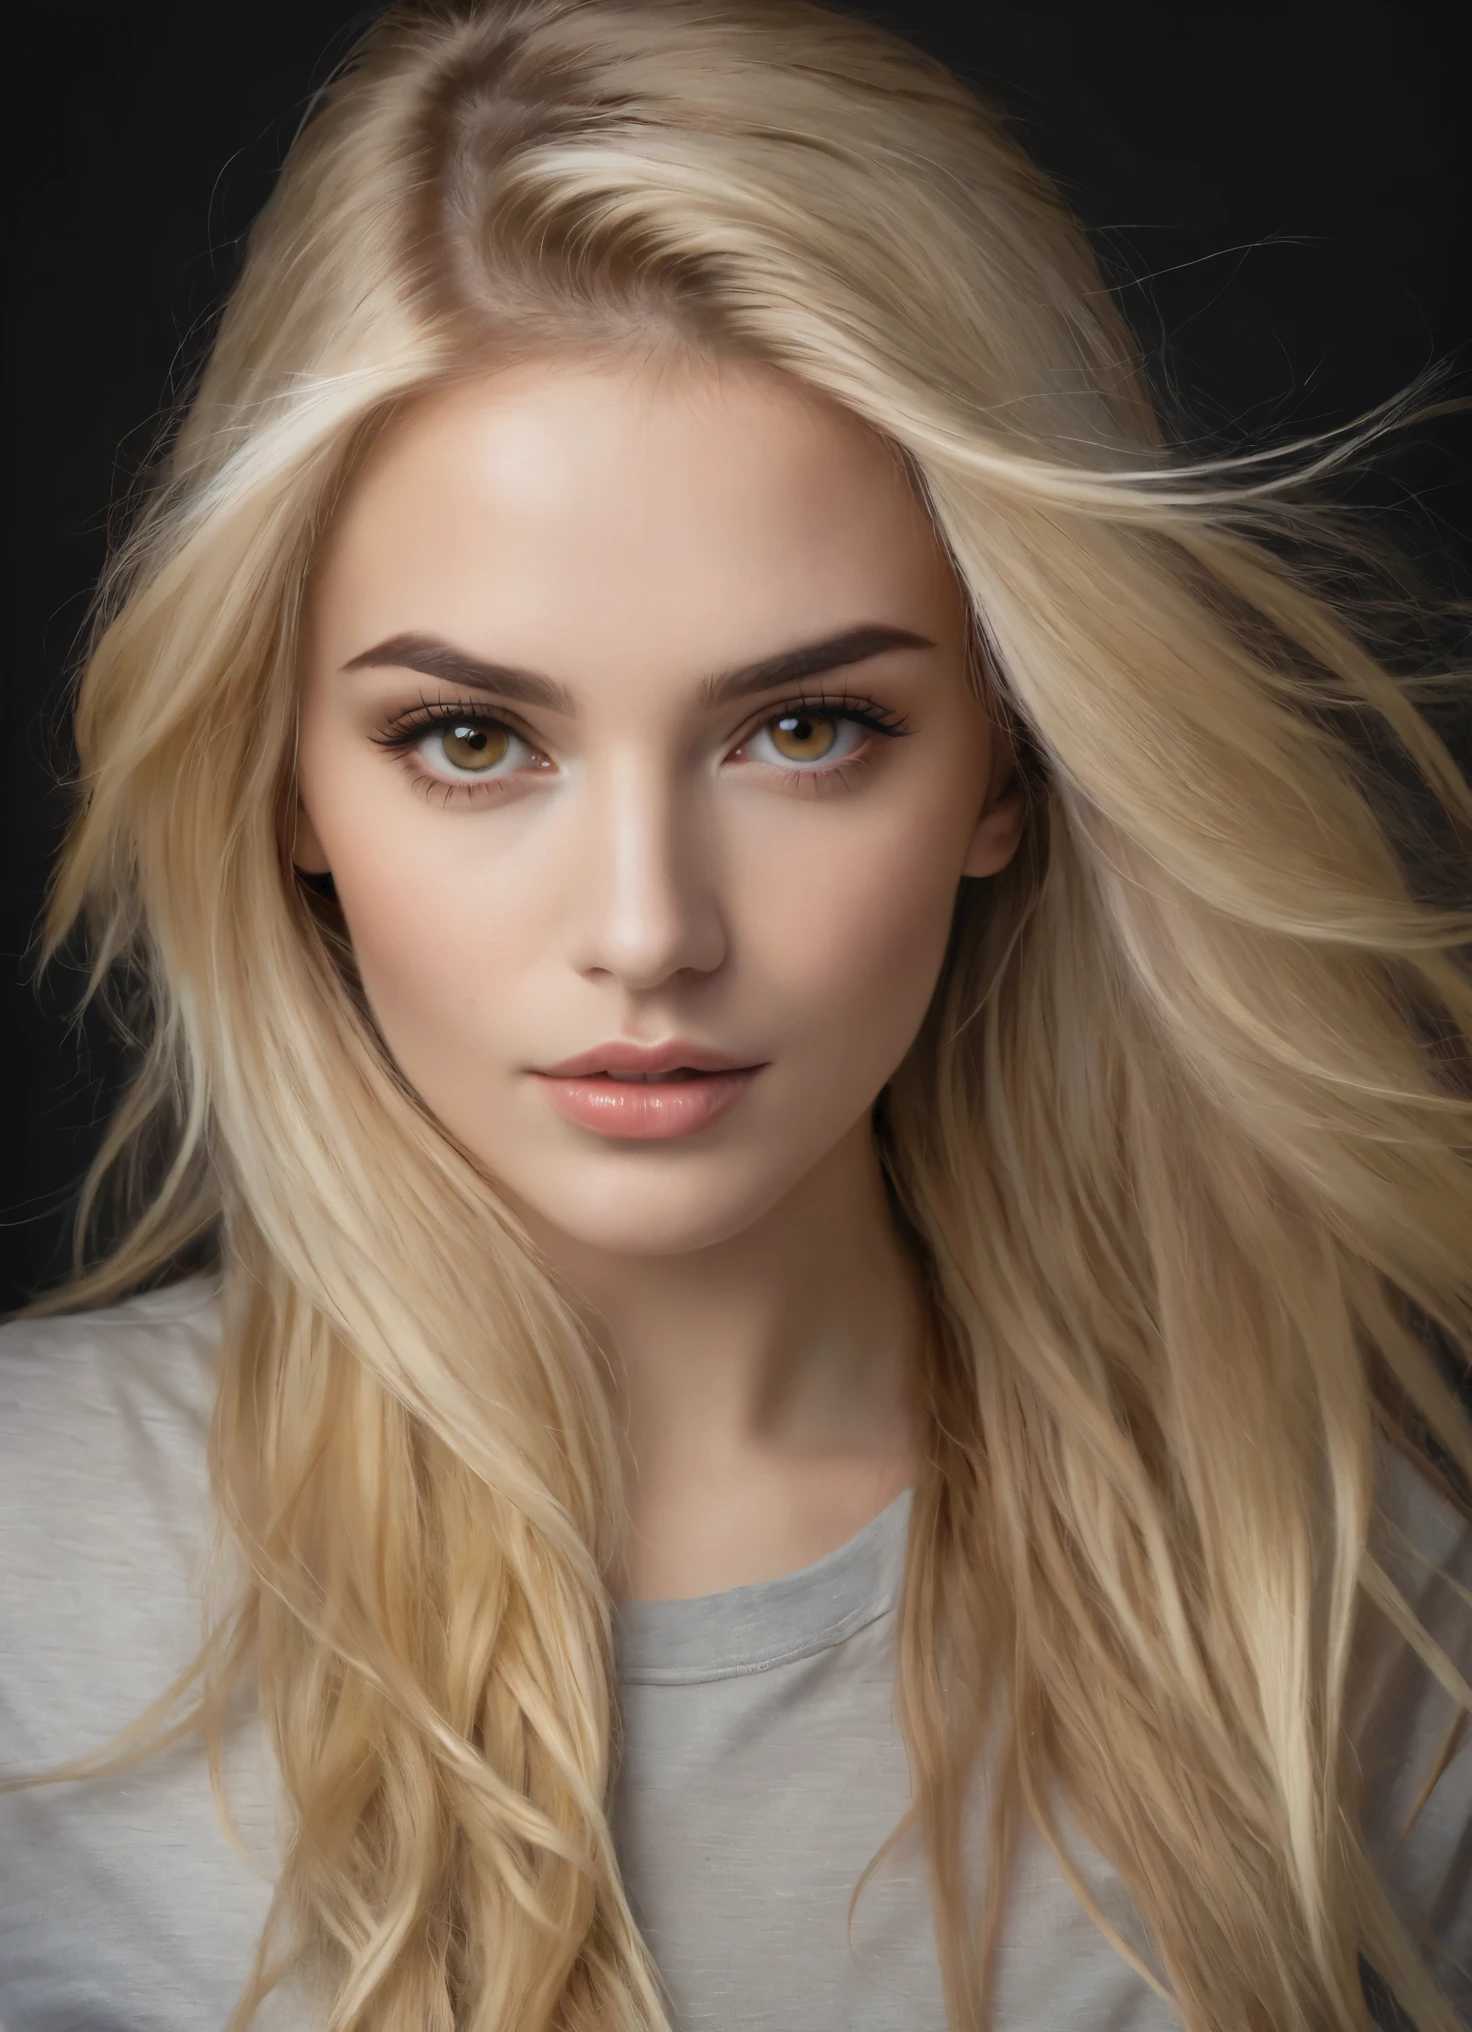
{"x": 637, "y": 740}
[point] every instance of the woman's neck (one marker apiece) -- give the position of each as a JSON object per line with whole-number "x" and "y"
{"x": 763, "y": 1386}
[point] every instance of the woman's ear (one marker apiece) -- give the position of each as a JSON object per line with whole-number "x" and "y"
{"x": 998, "y": 830}
{"x": 1004, "y": 811}
{"x": 307, "y": 854}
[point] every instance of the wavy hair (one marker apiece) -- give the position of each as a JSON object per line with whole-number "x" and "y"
{"x": 1183, "y": 1144}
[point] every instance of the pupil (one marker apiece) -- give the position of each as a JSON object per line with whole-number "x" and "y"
{"x": 472, "y": 747}
{"x": 804, "y": 737}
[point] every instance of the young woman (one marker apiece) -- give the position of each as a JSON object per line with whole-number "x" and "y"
{"x": 791, "y": 992}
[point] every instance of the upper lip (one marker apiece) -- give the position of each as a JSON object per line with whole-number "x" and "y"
{"x": 622, "y": 1056}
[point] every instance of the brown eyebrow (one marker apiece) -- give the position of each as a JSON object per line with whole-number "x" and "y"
{"x": 427, "y": 653}
{"x": 790, "y": 666}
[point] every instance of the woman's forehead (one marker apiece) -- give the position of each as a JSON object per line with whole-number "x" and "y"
{"x": 581, "y": 509}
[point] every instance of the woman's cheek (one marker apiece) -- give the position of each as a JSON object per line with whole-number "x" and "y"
{"x": 863, "y": 949}
{"x": 425, "y": 948}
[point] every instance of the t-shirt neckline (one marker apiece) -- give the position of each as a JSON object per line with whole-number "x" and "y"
{"x": 771, "y": 1622}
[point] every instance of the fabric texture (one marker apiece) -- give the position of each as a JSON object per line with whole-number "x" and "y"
{"x": 762, "y": 1768}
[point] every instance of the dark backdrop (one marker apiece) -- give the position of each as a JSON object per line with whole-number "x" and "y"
{"x": 1281, "y": 192}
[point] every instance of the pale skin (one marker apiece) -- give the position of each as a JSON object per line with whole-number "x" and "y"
{"x": 632, "y": 851}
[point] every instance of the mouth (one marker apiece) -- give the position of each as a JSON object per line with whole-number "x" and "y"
{"x": 675, "y": 1074}
{"x": 646, "y": 1093}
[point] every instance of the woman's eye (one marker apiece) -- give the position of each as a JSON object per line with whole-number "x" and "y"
{"x": 456, "y": 750}
{"x": 806, "y": 738}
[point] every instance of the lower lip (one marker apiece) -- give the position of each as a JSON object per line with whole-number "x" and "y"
{"x": 647, "y": 1113}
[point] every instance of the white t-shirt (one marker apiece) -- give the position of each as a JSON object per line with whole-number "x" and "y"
{"x": 762, "y": 1766}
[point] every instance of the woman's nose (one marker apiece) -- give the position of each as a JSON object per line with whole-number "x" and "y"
{"x": 649, "y": 907}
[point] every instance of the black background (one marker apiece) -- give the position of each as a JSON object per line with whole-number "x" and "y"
{"x": 1280, "y": 192}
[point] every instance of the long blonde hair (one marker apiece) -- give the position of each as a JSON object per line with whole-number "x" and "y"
{"x": 1183, "y": 1143}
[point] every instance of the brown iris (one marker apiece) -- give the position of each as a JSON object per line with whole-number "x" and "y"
{"x": 473, "y": 748}
{"x": 803, "y": 737}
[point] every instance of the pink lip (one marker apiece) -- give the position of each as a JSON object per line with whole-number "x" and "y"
{"x": 581, "y": 1089}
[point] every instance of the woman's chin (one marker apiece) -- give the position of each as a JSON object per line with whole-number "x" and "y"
{"x": 646, "y": 1218}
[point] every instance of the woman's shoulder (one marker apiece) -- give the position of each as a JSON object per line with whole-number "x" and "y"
{"x": 104, "y": 1413}
{"x": 121, "y": 1901}
{"x": 66, "y": 1377}
{"x": 1420, "y": 1839}
{"x": 104, "y": 1512}
{"x": 1421, "y": 1538}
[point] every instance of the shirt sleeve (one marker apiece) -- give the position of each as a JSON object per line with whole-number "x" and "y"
{"x": 1403, "y": 1726}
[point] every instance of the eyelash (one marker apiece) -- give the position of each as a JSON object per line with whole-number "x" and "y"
{"x": 404, "y": 732}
